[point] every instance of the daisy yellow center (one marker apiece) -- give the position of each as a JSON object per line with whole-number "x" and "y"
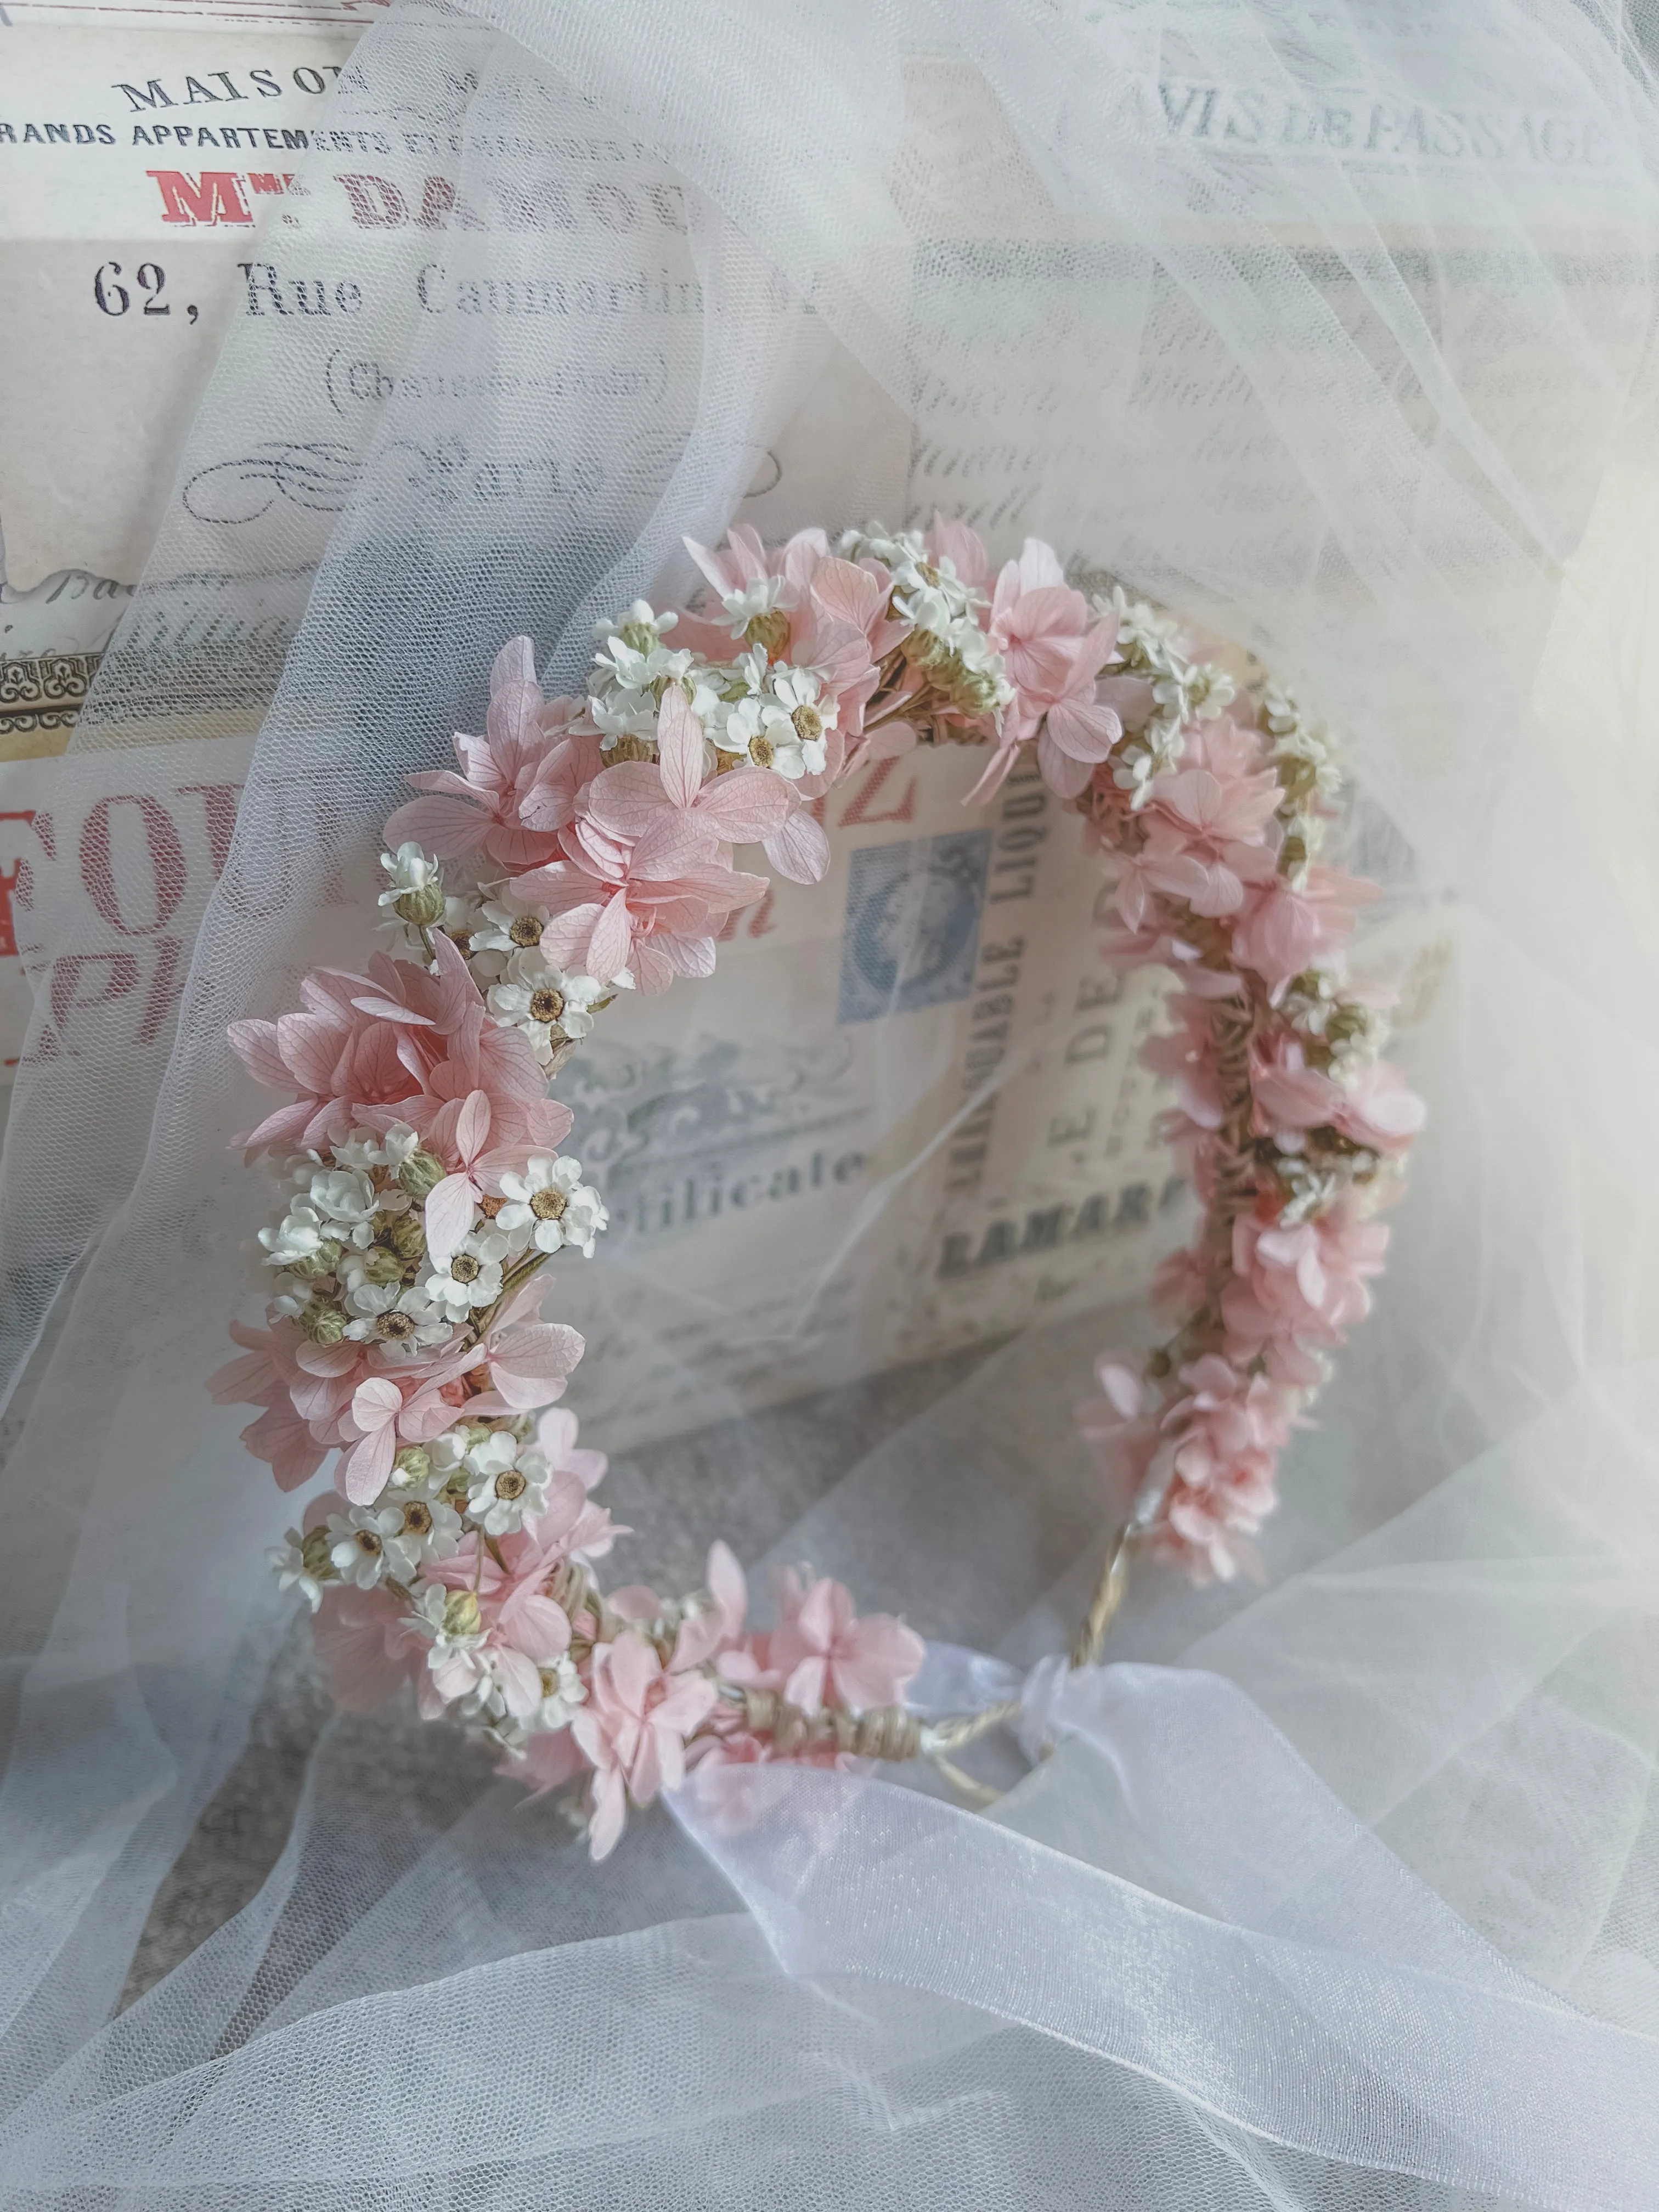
{"x": 466, "y": 1267}
{"x": 808, "y": 724}
{"x": 510, "y": 1485}
{"x": 549, "y": 1205}
{"x": 524, "y": 929}
{"x": 369, "y": 1543}
{"x": 760, "y": 751}
{"x": 395, "y": 1327}
{"x": 417, "y": 1518}
{"x": 546, "y": 1005}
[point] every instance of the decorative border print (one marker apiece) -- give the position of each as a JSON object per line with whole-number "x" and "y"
{"x": 40, "y": 695}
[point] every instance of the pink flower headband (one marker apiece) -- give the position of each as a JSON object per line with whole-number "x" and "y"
{"x": 585, "y": 848}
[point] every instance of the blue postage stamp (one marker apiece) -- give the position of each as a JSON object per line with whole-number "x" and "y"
{"x": 912, "y": 929}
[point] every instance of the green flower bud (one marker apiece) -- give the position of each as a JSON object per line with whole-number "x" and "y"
{"x": 405, "y": 1234}
{"x": 315, "y": 1265}
{"x": 413, "y": 1463}
{"x": 322, "y": 1322}
{"x": 380, "y": 1266}
{"x": 770, "y": 630}
{"x": 425, "y": 906}
{"x": 461, "y": 1614}
{"x": 314, "y": 1548}
{"x": 971, "y": 691}
{"x": 421, "y": 1174}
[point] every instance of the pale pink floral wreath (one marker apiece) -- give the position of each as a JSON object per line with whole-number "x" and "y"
{"x": 584, "y": 846}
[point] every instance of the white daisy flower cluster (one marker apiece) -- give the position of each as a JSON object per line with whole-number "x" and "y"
{"x": 471, "y": 1668}
{"x": 1184, "y": 691}
{"x": 486, "y": 1474}
{"x": 563, "y": 1692}
{"x": 351, "y": 1252}
{"x": 501, "y": 938}
{"x": 625, "y": 683}
{"x": 1307, "y": 772}
{"x": 775, "y": 716}
{"x": 753, "y": 710}
{"x": 544, "y": 1208}
{"x": 366, "y": 1546}
{"x": 948, "y": 641}
{"x": 523, "y": 989}
{"x": 548, "y": 1206}
{"x": 349, "y": 1248}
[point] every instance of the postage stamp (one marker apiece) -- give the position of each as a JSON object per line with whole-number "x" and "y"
{"x": 912, "y": 926}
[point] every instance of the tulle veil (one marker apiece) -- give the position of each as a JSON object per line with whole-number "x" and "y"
{"x": 1329, "y": 326}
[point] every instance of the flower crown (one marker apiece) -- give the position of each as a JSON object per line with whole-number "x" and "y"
{"x": 584, "y": 848}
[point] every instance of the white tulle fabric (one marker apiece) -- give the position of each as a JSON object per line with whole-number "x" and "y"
{"x": 1342, "y": 1893}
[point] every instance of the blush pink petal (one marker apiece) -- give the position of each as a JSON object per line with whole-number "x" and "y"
{"x": 875, "y": 1659}
{"x": 548, "y": 1760}
{"x": 1085, "y": 729}
{"x": 449, "y": 1217}
{"x": 1064, "y": 774}
{"x": 806, "y": 1684}
{"x": 285, "y": 1441}
{"x": 962, "y": 546}
{"x": 481, "y": 811}
{"x": 1379, "y": 1111}
{"x": 364, "y": 1646}
{"x": 799, "y": 848}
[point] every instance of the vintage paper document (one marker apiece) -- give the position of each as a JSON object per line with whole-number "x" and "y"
{"x": 136, "y": 166}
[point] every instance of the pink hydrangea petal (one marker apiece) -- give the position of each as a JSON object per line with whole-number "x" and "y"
{"x": 550, "y": 1757}
{"x": 728, "y": 1587}
{"x": 453, "y": 828}
{"x": 611, "y": 941}
{"x": 1087, "y": 732}
{"x": 677, "y": 843}
{"x": 653, "y": 971}
{"x": 962, "y": 546}
{"x": 805, "y": 1688}
{"x": 745, "y": 805}
{"x": 532, "y": 1624}
{"x": 626, "y": 800}
{"x": 449, "y": 1210}
{"x": 610, "y": 1814}
{"x": 1063, "y": 774}
{"x": 685, "y": 1703}
{"x": 285, "y": 1441}
{"x": 645, "y": 1768}
{"x": 874, "y": 1660}
{"x": 679, "y": 747}
{"x": 799, "y": 848}
{"x": 520, "y": 1681}
{"x": 367, "y": 1465}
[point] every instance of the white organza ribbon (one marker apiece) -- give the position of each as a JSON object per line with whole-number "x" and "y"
{"x": 1272, "y": 1959}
